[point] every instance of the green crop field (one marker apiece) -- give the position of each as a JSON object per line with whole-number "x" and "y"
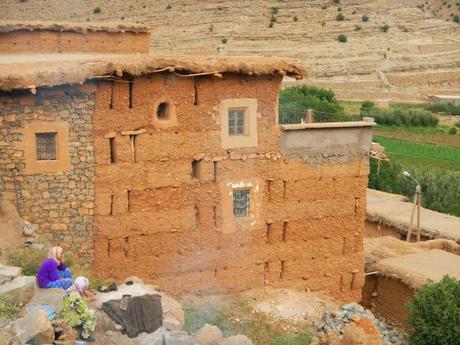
{"x": 421, "y": 155}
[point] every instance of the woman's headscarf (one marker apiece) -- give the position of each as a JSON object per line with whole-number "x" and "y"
{"x": 80, "y": 284}
{"x": 54, "y": 253}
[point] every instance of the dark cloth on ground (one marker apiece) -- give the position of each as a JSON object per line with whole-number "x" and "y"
{"x": 144, "y": 314}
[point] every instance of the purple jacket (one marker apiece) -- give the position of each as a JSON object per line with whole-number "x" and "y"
{"x": 48, "y": 272}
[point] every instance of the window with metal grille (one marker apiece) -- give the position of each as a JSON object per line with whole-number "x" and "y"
{"x": 46, "y": 146}
{"x": 236, "y": 122}
{"x": 241, "y": 202}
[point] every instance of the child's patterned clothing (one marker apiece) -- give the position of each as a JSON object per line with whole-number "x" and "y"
{"x": 76, "y": 313}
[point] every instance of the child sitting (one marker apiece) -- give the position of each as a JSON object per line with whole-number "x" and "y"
{"x": 76, "y": 312}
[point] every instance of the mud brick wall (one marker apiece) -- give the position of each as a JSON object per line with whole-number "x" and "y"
{"x": 162, "y": 218}
{"x": 60, "y": 203}
{"x": 47, "y": 41}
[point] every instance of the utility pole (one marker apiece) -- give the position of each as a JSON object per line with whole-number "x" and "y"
{"x": 416, "y": 206}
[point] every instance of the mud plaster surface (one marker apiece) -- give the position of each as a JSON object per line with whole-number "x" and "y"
{"x": 156, "y": 221}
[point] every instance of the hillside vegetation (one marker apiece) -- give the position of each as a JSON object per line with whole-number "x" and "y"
{"x": 393, "y": 49}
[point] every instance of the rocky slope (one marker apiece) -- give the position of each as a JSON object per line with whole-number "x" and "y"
{"x": 418, "y": 55}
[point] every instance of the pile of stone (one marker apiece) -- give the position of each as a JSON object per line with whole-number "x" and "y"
{"x": 345, "y": 321}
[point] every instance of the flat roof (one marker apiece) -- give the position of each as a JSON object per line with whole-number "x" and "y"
{"x": 446, "y": 96}
{"x": 16, "y": 25}
{"x": 388, "y": 209}
{"x": 29, "y": 71}
{"x": 418, "y": 268}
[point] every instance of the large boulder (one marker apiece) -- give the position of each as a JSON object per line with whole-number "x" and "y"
{"x": 208, "y": 335}
{"x": 361, "y": 332}
{"x": 20, "y": 289}
{"x": 34, "y": 328}
{"x": 52, "y": 297}
{"x": 8, "y": 273}
{"x": 236, "y": 340}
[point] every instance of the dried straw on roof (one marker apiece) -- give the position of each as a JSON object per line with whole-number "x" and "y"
{"x": 390, "y": 210}
{"x": 412, "y": 263}
{"x": 37, "y": 70}
{"x": 14, "y": 25}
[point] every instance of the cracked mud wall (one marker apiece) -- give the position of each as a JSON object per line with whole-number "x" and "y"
{"x": 170, "y": 222}
{"x": 47, "y": 41}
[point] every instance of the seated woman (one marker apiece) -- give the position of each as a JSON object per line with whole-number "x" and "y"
{"x": 75, "y": 311}
{"x": 53, "y": 273}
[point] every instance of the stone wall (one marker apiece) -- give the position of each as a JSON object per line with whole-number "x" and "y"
{"x": 170, "y": 222}
{"x": 61, "y": 202}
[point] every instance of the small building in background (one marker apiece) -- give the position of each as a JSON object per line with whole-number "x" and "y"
{"x": 445, "y": 99}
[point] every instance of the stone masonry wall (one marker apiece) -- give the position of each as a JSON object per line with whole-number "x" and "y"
{"x": 60, "y": 203}
{"x": 162, "y": 219}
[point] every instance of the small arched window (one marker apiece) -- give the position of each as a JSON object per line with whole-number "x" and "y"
{"x": 163, "y": 111}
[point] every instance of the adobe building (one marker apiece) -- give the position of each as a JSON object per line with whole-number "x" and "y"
{"x": 175, "y": 169}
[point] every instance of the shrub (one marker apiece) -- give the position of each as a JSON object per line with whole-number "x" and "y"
{"x": 365, "y": 18}
{"x": 270, "y": 25}
{"x": 456, "y": 19}
{"x": 434, "y": 313}
{"x": 168, "y": 7}
{"x": 357, "y": 27}
{"x": 340, "y": 17}
{"x": 224, "y": 40}
{"x": 275, "y": 10}
{"x": 9, "y": 310}
{"x": 339, "y": 9}
{"x": 453, "y": 130}
{"x": 336, "y": 2}
{"x": 273, "y": 19}
{"x": 28, "y": 259}
{"x": 457, "y": 124}
{"x": 399, "y": 116}
{"x": 342, "y": 38}
{"x": 385, "y": 27}
{"x": 448, "y": 108}
{"x": 323, "y": 7}
{"x": 366, "y": 107}
{"x": 295, "y": 19}
{"x": 97, "y": 10}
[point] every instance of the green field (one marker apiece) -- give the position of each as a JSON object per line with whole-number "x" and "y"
{"x": 421, "y": 155}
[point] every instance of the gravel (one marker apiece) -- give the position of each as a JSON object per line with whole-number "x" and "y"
{"x": 337, "y": 320}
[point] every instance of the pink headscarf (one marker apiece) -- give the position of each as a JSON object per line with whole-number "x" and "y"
{"x": 80, "y": 284}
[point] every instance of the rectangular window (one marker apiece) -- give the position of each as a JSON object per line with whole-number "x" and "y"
{"x": 236, "y": 122}
{"x": 241, "y": 202}
{"x": 46, "y": 146}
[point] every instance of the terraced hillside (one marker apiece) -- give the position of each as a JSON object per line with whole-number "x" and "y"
{"x": 418, "y": 55}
